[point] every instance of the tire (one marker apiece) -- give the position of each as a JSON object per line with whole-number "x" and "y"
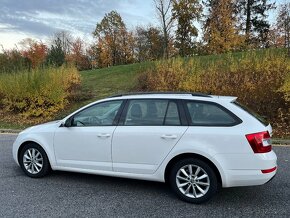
{"x": 193, "y": 180}
{"x": 33, "y": 161}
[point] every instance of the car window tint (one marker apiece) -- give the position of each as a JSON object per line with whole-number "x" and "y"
{"x": 172, "y": 115}
{"x": 102, "y": 114}
{"x": 208, "y": 114}
{"x": 146, "y": 112}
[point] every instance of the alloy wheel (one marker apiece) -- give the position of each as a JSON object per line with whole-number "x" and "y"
{"x": 33, "y": 160}
{"x": 192, "y": 181}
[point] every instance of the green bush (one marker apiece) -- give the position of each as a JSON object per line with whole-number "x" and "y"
{"x": 261, "y": 80}
{"x": 38, "y": 93}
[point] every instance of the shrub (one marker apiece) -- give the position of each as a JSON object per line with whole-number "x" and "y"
{"x": 261, "y": 80}
{"x": 38, "y": 93}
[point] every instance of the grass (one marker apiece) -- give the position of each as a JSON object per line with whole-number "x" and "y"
{"x": 112, "y": 80}
{"x": 5, "y": 125}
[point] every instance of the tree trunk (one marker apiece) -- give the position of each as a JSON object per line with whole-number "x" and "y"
{"x": 165, "y": 35}
{"x": 248, "y": 21}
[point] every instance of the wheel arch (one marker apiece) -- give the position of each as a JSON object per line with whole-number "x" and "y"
{"x": 34, "y": 142}
{"x": 179, "y": 157}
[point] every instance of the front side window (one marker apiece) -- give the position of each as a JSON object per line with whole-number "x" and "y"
{"x": 209, "y": 114}
{"x": 102, "y": 114}
{"x": 152, "y": 112}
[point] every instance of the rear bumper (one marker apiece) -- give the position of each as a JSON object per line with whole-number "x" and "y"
{"x": 247, "y": 178}
{"x": 246, "y": 169}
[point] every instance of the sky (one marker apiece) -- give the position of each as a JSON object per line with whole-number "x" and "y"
{"x": 40, "y": 19}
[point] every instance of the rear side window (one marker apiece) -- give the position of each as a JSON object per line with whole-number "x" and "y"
{"x": 252, "y": 113}
{"x": 152, "y": 112}
{"x": 210, "y": 114}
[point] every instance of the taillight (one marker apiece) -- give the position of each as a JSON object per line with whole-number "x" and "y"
{"x": 260, "y": 142}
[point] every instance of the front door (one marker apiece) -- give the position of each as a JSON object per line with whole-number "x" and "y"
{"x": 87, "y": 143}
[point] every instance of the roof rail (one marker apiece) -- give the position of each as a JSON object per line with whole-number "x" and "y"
{"x": 149, "y": 93}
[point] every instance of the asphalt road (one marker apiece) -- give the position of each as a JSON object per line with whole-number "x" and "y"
{"x": 64, "y": 194}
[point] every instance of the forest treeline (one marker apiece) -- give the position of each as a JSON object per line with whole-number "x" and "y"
{"x": 185, "y": 28}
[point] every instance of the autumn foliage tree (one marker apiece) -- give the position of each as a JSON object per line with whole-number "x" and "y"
{"x": 35, "y": 52}
{"x": 148, "y": 43}
{"x": 220, "y": 31}
{"x": 113, "y": 41}
{"x": 77, "y": 55}
{"x": 12, "y": 61}
{"x": 186, "y": 12}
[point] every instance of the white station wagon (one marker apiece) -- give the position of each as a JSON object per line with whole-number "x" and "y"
{"x": 195, "y": 142}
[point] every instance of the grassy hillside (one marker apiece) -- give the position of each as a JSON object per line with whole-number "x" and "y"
{"x": 100, "y": 83}
{"x": 112, "y": 80}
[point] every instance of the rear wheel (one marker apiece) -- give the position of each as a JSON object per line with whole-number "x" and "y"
{"x": 193, "y": 180}
{"x": 33, "y": 161}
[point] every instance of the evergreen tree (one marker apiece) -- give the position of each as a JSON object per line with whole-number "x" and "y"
{"x": 253, "y": 16}
{"x": 56, "y": 54}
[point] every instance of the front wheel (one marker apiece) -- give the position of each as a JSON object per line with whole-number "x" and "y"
{"x": 193, "y": 180}
{"x": 33, "y": 161}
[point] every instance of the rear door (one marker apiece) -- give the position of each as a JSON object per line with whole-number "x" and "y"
{"x": 148, "y": 130}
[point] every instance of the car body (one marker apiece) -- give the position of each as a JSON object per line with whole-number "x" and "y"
{"x": 147, "y": 135}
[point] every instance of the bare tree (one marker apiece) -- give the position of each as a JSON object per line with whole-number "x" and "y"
{"x": 283, "y": 24}
{"x": 64, "y": 38}
{"x": 163, "y": 9}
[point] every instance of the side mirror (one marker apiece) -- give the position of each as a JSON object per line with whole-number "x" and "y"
{"x": 68, "y": 122}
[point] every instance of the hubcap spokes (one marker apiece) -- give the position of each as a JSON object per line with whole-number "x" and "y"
{"x": 33, "y": 160}
{"x": 192, "y": 181}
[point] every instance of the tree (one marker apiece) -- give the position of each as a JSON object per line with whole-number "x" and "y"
{"x": 109, "y": 34}
{"x": 56, "y": 54}
{"x": 34, "y": 51}
{"x": 283, "y": 24}
{"x": 186, "y": 12}
{"x": 78, "y": 56}
{"x": 64, "y": 40}
{"x": 163, "y": 9}
{"x": 127, "y": 48}
{"x": 60, "y": 47}
{"x": 275, "y": 38}
{"x": 253, "y": 14}
{"x": 148, "y": 43}
{"x": 220, "y": 31}
{"x": 12, "y": 61}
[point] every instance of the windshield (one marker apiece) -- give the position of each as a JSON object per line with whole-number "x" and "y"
{"x": 251, "y": 112}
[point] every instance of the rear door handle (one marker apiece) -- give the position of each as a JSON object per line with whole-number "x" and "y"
{"x": 169, "y": 136}
{"x": 104, "y": 135}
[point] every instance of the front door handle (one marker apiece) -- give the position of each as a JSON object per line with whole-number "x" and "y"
{"x": 104, "y": 135}
{"x": 169, "y": 136}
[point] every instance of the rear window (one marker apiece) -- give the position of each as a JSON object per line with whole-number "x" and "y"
{"x": 252, "y": 113}
{"x": 210, "y": 114}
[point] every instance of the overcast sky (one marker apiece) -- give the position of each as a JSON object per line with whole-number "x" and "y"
{"x": 39, "y": 19}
